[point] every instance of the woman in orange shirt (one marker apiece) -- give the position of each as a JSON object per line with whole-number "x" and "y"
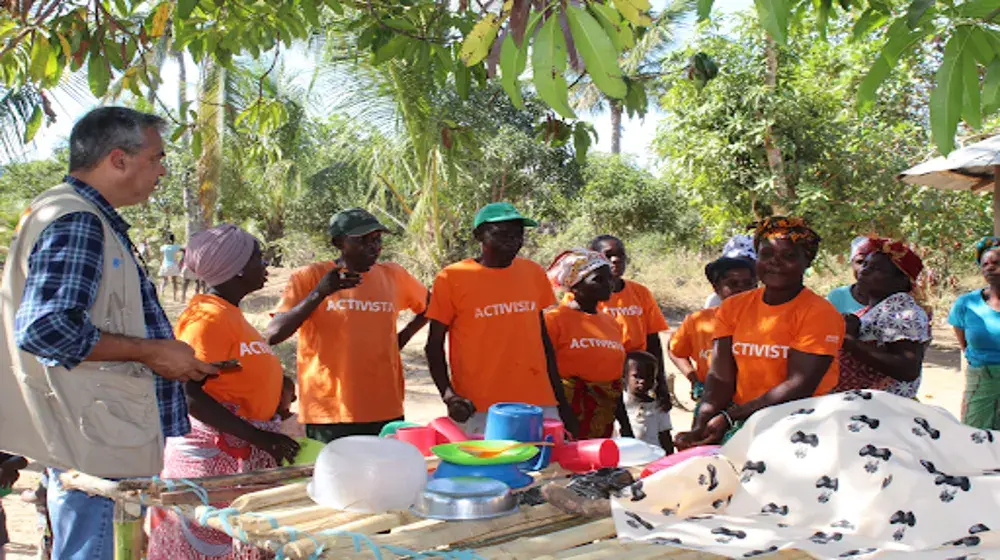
{"x": 235, "y": 425}
{"x": 587, "y": 343}
{"x": 772, "y": 345}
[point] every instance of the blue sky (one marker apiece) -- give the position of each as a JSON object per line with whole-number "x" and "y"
{"x": 636, "y": 135}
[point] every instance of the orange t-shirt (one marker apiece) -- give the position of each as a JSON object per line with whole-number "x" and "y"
{"x": 494, "y": 332}
{"x": 762, "y": 335}
{"x": 587, "y": 346}
{"x": 348, "y": 355}
{"x": 694, "y": 340}
{"x": 636, "y": 311}
{"x": 217, "y": 330}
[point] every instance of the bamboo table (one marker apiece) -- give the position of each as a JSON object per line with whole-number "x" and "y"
{"x": 270, "y": 509}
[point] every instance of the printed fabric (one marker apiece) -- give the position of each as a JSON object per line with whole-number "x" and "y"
{"x": 897, "y": 317}
{"x": 981, "y": 398}
{"x": 859, "y": 475}
{"x": 571, "y": 267}
{"x": 594, "y": 405}
{"x": 205, "y": 452}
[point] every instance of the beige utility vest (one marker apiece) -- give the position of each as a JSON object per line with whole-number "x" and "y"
{"x": 100, "y": 418}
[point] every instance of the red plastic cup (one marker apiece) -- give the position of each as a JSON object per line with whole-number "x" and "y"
{"x": 587, "y": 455}
{"x": 448, "y": 431}
{"x": 421, "y": 437}
{"x": 679, "y": 457}
{"x": 554, "y": 428}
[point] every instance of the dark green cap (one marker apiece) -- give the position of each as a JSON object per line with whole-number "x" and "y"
{"x": 354, "y": 222}
{"x": 500, "y": 212}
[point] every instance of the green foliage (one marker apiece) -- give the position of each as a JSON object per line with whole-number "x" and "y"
{"x": 21, "y": 182}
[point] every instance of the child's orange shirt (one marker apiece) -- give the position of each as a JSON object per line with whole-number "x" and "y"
{"x": 636, "y": 311}
{"x": 348, "y": 355}
{"x": 694, "y": 340}
{"x": 588, "y": 346}
{"x": 218, "y": 331}
{"x": 763, "y": 334}
{"x": 495, "y": 346}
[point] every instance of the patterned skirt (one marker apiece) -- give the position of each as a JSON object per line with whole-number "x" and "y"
{"x": 981, "y": 400}
{"x": 594, "y": 405}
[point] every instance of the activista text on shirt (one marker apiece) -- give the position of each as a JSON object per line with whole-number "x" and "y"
{"x": 497, "y": 309}
{"x": 255, "y": 348}
{"x": 351, "y": 304}
{"x": 596, "y": 343}
{"x": 629, "y": 311}
{"x": 752, "y": 350}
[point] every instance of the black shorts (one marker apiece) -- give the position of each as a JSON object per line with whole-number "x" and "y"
{"x": 329, "y": 432}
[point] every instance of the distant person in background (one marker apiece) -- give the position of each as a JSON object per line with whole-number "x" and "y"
{"x": 189, "y": 276}
{"x": 170, "y": 268}
{"x": 690, "y": 347}
{"x": 588, "y": 343}
{"x": 850, "y": 298}
{"x": 738, "y": 247}
{"x": 235, "y": 420}
{"x": 885, "y": 340}
{"x": 490, "y": 307}
{"x": 976, "y": 320}
{"x": 635, "y": 309}
{"x": 350, "y": 373}
{"x": 10, "y": 471}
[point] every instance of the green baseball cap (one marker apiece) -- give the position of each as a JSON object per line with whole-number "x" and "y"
{"x": 500, "y": 212}
{"x": 354, "y": 222}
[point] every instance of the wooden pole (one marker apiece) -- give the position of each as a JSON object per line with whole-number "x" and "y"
{"x": 996, "y": 200}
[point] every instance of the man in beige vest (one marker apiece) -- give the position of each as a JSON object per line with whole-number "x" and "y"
{"x": 90, "y": 375}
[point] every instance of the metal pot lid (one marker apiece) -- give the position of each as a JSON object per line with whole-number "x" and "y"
{"x": 467, "y": 487}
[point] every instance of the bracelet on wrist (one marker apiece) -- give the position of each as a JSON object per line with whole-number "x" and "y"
{"x": 729, "y": 418}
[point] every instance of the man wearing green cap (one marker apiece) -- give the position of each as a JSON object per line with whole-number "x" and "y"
{"x": 345, "y": 311}
{"x": 491, "y": 309}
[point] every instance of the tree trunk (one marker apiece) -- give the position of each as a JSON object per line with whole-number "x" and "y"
{"x": 191, "y": 214}
{"x": 616, "y": 127}
{"x": 211, "y": 127}
{"x": 772, "y": 138}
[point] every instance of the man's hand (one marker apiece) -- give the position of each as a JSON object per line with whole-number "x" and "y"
{"x": 709, "y": 434}
{"x": 337, "y": 279}
{"x": 460, "y": 409}
{"x": 853, "y": 324}
{"x": 175, "y": 360}
{"x": 10, "y": 471}
{"x": 279, "y": 446}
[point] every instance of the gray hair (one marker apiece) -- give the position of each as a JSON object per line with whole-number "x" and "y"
{"x": 108, "y": 128}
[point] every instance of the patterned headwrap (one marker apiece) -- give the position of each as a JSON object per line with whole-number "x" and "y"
{"x": 739, "y": 247}
{"x": 902, "y": 256}
{"x": 794, "y": 229}
{"x": 856, "y": 244}
{"x": 984, "y": 245}
{"x": 572, "y": 266}
{"x": 218, "y": 254}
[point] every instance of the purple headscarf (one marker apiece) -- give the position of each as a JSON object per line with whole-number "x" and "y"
{"x": 219, "y": 253}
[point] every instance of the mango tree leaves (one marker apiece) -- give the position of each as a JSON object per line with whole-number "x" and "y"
{"x": 98, "y": 73}
{"x": 947, "y": 98}
{"x": 584, "y": 135}
{"x": 900, "y": 40}
{"x": 773, "y": 17}
{"x": 34, "y": 123}
{"x": 991, "y": 87}
{"x": 598, "y": 53}
{"x": 636, "y": 11}
{"x": 617, "y": 29}
{"x": 477, "y": 44}
{"x": 548, "y": 63}
{"x": 704, "y": 9}
{"x": 971, "y": 108}
{"x": 916, "y": 11}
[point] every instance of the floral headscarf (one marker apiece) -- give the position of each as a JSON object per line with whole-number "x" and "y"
{"x": 794, "y": 229}
{"x": 902, "y": 256}
{"x": 570, "y": 267}
{"x": 984, "y": 245}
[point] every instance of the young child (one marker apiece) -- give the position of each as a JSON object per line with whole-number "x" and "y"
{"x": 649, "y": 421}
{"x": 290, "y": 425}
{"x": 10, "y": 471}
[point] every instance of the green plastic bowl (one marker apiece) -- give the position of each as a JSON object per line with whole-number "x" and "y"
{"x": 390, "y": 428}
{"x": 308, "y": 451}
{"x": 453, "y": 453}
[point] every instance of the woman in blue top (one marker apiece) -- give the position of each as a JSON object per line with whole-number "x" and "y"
{"x": 171, "y": 266}
{"x": 847, "y": 299}
{"x": 976, "y": 319}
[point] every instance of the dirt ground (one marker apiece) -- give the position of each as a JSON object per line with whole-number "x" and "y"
{"x": 942, "y": 386}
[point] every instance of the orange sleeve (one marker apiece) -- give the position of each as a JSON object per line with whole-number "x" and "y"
{"x": 412, "y": 293}
{"x": 725, "y": 318}
{"x": 820, "y": 330}
{"x": 681, "y": 344}
{"x": 655, "y": 321}
{"x": 295, "y": 292}
{"x": 210, "y": 336}
{"x": 546, "y": 296}
{"x": 442, "y": 306}
{"x": 552, "y": 324}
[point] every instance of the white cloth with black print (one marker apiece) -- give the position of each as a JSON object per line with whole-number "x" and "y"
{"x": 864, "y": 474}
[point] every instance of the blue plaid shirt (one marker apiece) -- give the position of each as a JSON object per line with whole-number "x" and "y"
{"x": 64, "y": 274}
